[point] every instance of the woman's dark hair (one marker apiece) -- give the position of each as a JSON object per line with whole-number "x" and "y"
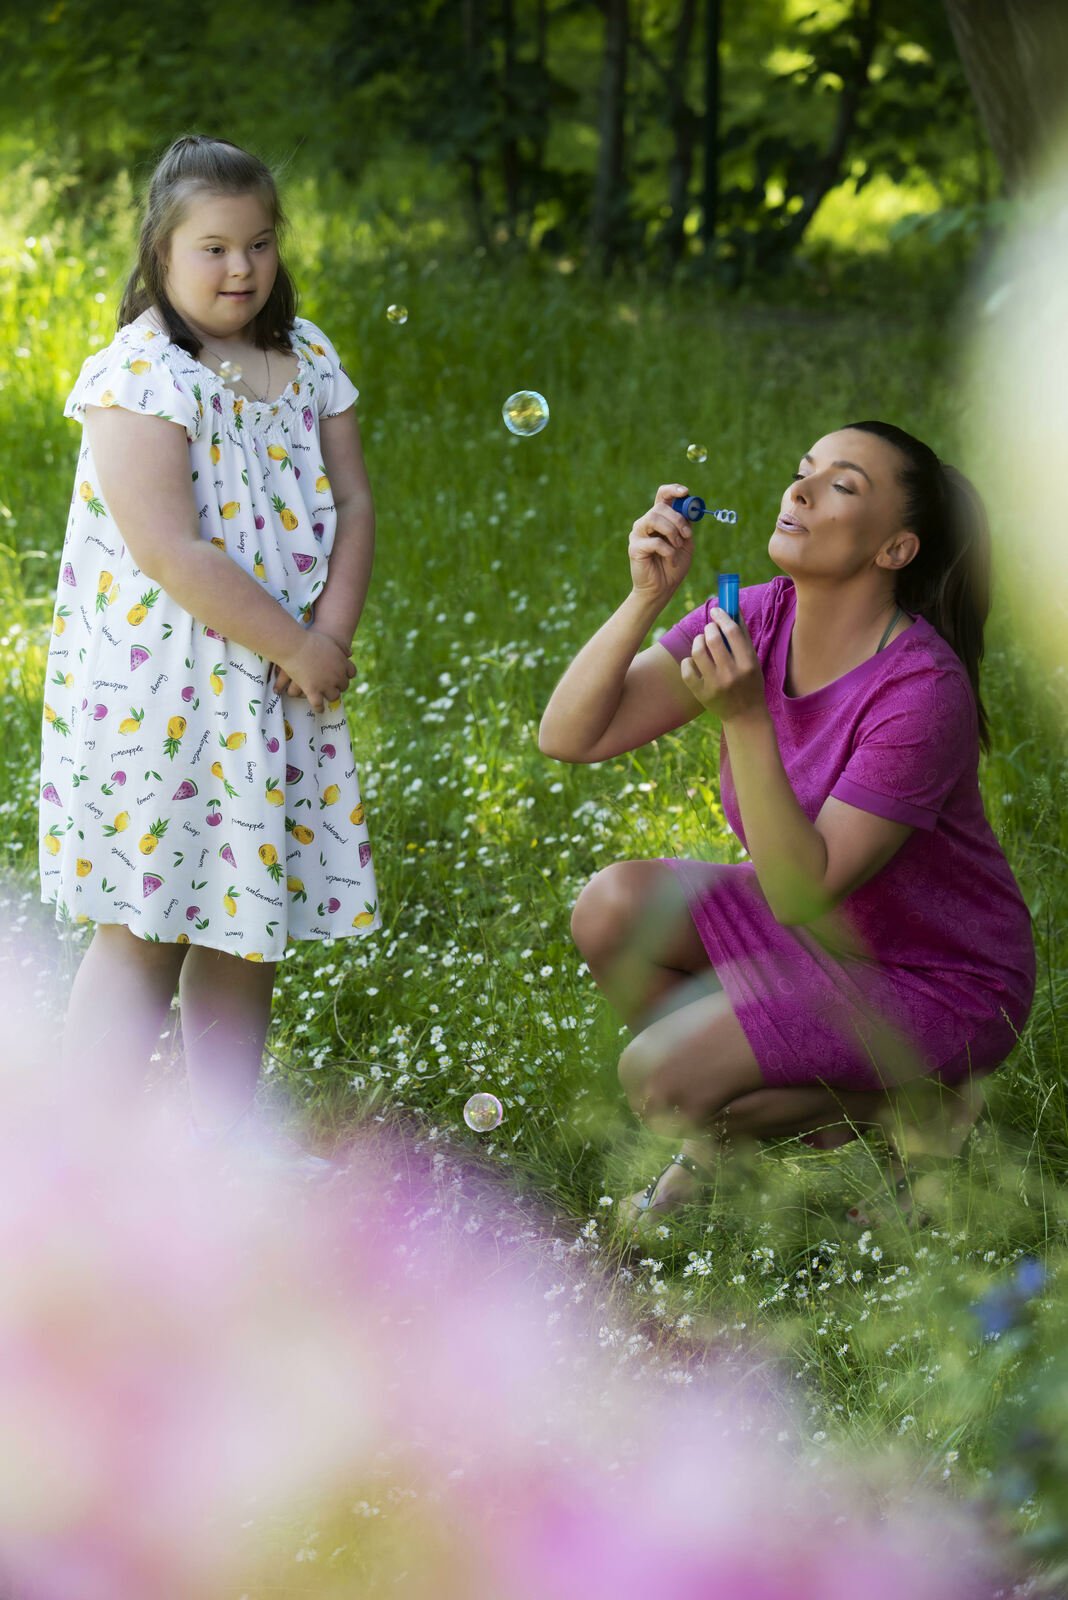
{"x": 948, "y": 581}
{"x": 193, "y": 166}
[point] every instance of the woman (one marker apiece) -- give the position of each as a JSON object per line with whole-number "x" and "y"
{"x": 876, "y": 938}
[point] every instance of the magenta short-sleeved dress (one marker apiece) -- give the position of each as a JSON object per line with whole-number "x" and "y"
{"x": 928, "y": 969}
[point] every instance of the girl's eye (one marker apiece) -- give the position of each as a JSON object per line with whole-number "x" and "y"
{"x": 842, "y": 487}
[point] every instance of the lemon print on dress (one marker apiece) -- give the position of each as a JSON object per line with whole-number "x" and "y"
{"x": 52, "y": 841}
{"x": 296, "y": 888}
{"x": 215, "y": 678}
{"x": 275, "y": 796}
{"x": 278, "y": 452}
{"x": 230, "y": 510}
{"x": 364, "y": 918}
{"x": 330, "y": 795}
{"x": 322, "y": 482}
{"x": 140, "y": 366}
{"x": 132, "y": 723}
{"x": 356, "y": 815}
{"x": 84, "y": 867}
{"x": 230, "y": 899}
{"x": 148, "y": 841}
{"x": 137, "y": 614}
{"x": 233, "y": 741}
{"x": 59, "y": 621}
{"x": 120, "y": 825}
{"x": 258, "y": 568}
{"x": 215, "y": 452}
{"x": 287, "y": 518}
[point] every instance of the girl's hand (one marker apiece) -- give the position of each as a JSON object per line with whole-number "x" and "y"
{"x": 729, "y": 683}
{"x": 283, "y": 682}
{"x": 661, "y": 547}
{"x": 318, "y": 668}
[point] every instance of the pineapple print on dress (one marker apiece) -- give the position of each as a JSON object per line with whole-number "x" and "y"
{"x": 178, "y": 792}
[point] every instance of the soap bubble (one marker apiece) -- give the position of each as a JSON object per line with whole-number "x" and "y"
{"x": 397, "y": 314}
{"x": 526, "y": 412}
{"x": 230, "y": 372}
{"x": 697, "y": 452}
{"x": 483, "y": 1112}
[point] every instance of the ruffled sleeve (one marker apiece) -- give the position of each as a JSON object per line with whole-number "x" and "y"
{"x": 131, "y": 374}
{"x": 334, "y": 390}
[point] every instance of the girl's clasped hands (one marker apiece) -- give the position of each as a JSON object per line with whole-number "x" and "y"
{"x": 320, "y": 668}
{"x": 722, "y": 670}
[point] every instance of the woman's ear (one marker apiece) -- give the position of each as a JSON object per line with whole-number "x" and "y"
{"x": 902, "y": 548}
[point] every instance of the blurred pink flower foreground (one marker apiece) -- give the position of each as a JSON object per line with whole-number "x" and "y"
{"x": 216, "y": 1383}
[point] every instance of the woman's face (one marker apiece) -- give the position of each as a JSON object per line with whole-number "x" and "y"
{"x": 842, "y": 513}
{"x": 222, "y": 263}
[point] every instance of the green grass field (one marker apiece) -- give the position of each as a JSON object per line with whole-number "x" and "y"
{"x": 497, "y": 558}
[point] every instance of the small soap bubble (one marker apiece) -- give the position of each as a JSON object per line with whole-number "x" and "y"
{"x": 725, "y": 516}
{"x": 483, "y": 1112}
{"x": 526, "y": 412}
{"x": 697, "y": 452}
{"x": 230, "y": 372}
{"x": 397, "y": 314}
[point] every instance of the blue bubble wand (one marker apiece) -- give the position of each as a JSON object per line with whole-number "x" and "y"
{"x": 693, "y": 508}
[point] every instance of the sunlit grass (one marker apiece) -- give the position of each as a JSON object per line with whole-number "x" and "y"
{"x": 497, "y": 558}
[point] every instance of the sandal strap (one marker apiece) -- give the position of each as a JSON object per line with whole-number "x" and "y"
{"x": 683, "y": 1160}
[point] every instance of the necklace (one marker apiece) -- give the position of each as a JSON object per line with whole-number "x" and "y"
{"x": 230, "y": 372}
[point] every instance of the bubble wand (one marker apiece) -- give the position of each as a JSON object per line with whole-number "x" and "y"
{"x": 693, "y": 508}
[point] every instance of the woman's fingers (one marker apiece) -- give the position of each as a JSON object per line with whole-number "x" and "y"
{"x": 652, "y": 546}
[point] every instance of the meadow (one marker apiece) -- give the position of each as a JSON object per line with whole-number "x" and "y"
{"x": 497, "y": 558}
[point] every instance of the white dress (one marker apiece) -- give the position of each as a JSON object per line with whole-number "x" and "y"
{"x": 180, "y": 795}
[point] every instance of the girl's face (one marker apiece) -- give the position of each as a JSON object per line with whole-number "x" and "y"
{"x": 842, "y": 513}
{"x": 222, "y": 263}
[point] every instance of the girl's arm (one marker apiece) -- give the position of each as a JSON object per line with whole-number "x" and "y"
{"x": 340, "y": 604}
{"x": 611, "y": 699}
{"x": 143, "y": 467}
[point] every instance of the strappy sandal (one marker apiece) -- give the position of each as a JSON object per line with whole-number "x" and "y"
{"x": 642, "y": 1205}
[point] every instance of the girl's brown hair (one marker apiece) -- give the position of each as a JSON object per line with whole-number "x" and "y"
{"x": 948, "y": 582}
{"x": 190, "y": 166}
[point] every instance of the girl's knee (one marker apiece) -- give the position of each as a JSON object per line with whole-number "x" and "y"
{"x": 605, "y": 909}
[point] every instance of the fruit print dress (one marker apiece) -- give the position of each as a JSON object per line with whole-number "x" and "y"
{"x": 180, "y": 795}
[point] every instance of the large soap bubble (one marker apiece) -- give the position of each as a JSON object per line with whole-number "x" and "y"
{"x": 526, "y": 412}
{"x": 483, "y": 1112}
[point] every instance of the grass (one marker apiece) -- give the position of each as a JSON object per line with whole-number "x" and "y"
{"x": 497, "y": 559}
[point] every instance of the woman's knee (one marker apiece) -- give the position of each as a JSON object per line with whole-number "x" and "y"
{"x": 614, "y": 902}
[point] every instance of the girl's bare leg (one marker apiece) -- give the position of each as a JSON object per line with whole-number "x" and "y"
{"x": 119, "y": 1003}
{"x": 226, "y": 1011}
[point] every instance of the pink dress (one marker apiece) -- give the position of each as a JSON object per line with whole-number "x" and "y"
{"x": 929, "y": 967}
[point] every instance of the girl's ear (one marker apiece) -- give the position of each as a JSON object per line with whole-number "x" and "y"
{"x": 902, "y": 549}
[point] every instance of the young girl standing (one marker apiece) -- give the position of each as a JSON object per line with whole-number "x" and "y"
{"x": 199, "y": 798}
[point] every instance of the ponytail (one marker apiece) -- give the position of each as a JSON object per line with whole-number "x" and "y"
{"x": 948, "y": 581}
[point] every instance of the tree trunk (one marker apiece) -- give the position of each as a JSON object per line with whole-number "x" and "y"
{"x": 710, "y": 183}
{"x": 541, "y": 61}
{"x": 681, "y": 122}
{"x": 828, "y": 170}
{"x": 609, "y": 193}
{"x": 509, "y": 142}
{"x": 1015, "y": 57}
{"x": 474, "y": 33}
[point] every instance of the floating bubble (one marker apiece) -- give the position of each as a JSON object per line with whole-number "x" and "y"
{"x": 397, "y": 314}
{"x": 230, "y": 372}
{"x": 526, "y": 412}
{"x": 483, "y": 1112}
{"x": 697, "y": 452}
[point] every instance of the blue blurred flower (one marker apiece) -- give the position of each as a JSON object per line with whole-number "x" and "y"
{"x": 1002, "y": 1307}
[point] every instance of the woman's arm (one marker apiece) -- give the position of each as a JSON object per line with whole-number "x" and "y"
{"x": 611, "y": 699}
{"x": 805, "y": 869}
{"x": 143, "y": 467}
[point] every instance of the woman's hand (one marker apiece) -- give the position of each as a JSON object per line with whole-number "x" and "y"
{"x": 661, "y": 547}
{"x": 319, "y": 668}
{"x": 729, "y": 683}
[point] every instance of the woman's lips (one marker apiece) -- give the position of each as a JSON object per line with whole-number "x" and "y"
{"x": 237, "y": 294}
{"x": 790, "y": 526}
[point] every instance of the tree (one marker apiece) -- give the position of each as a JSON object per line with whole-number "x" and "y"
{"x": 1015, "y": 56}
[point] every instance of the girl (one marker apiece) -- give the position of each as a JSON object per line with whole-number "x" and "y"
{"x": 217, "y": 557}
{"x": 876, "y": 937}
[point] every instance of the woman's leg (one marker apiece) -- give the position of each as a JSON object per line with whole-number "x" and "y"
{"x": 633, "y": 926}
{"x": 119, "y": 1003}
{"x": 226, "y": 1011}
